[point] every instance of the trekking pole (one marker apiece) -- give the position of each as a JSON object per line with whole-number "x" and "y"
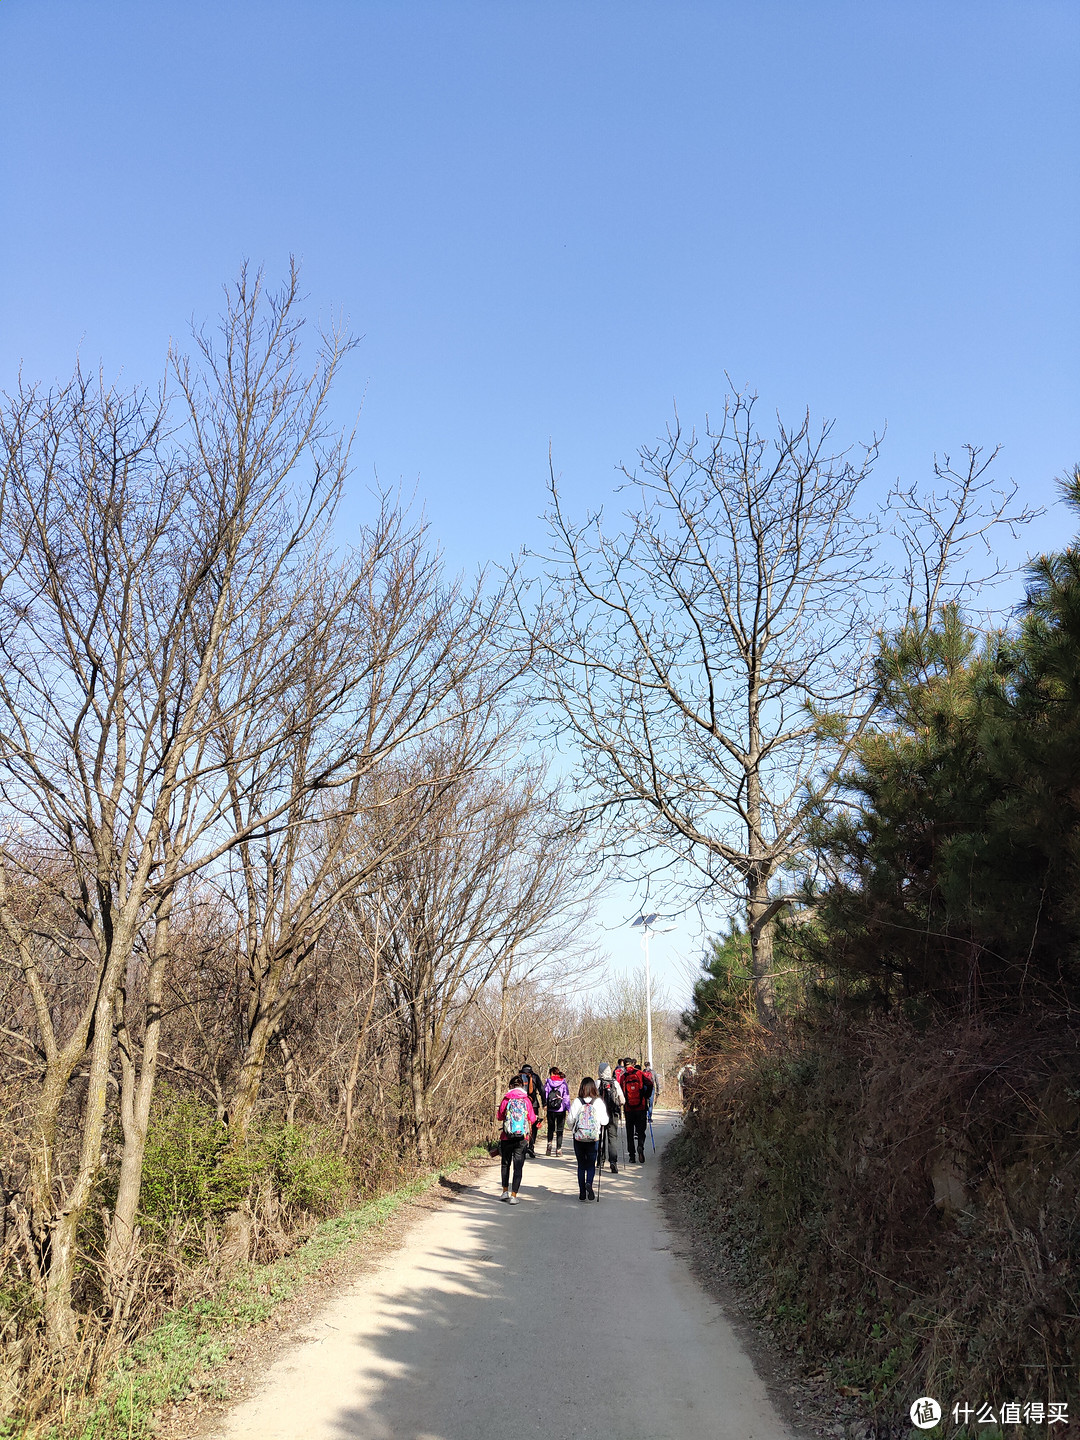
{"x": 600, "y": 1161}
{"x": 652, "y": 1137}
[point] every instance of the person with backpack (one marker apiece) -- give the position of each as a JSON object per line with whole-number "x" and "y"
{"x": 518, "y": 1116}
{"x": 557, "y": 1103}
{"x": 534, "y": 1088}
{"x": 637, "y": 1087}
{"x": 685, "y": 1080}
{"x": 587, "y": 1118}
{"x": 612, "y": 1095}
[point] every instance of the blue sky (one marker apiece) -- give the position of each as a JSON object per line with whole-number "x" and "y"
{"x": 550, "y": 221}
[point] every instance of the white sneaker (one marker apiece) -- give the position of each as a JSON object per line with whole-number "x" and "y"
{"x": 505, "y": 1195}
{"x": 513, "y": 1200}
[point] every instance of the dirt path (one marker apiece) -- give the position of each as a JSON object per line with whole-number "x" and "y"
{"x": 548, "y": 1320}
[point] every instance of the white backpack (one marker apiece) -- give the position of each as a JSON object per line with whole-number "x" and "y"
{"x": 587, "y": 1126}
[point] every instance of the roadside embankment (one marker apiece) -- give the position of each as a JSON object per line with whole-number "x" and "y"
{"x": 901, "y": 1204}
{"x": 164, "y": 1381}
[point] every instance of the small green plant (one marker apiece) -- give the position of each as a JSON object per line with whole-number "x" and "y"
{"x": 190, "y": 1169}
{"x": 194, "y": 1170}
{"x": 306, "y": 1177}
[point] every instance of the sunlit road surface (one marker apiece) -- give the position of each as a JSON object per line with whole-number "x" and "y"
{"x": 550, "y": 1319}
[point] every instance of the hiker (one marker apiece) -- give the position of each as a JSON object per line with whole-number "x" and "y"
{"x": 557, "y": 1103}
{"x": 534, "y": 1088}
{"x": 587, "y": 1118}
{"x": 612, "y": 1096}
{"x": 518, "y": 1116}
{"x": 685, "y": 1079}
{"x": 637, "y": 1087}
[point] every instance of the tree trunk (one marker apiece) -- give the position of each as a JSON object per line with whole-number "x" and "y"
{"x": 418, "y": 1095}
{"x": 41, "y": 1198}
{"x": 289, "y": 1075}
{"x": 354, "y": 1068}
{"x": 500, "y": 1041}
{"x": 245, "y": 1093}
{"x": 60, "y": 1062}
{"x": 64, "y": 1223}
{"x": 759, "y": 918}
{"x": 136, "y": 1097}
{"x": 60, "y": 1324}
{"x": 351, "y": 1086}
{"x": 762, "y": 931}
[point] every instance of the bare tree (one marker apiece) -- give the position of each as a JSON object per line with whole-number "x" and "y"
{"x": 136, "y": 563}
{"x": 616, "y": 1024}
{"x": 532, "y": 983}
{"x": 384, "y": 673}
{"x": 713, "y": 660}
{"x": 492, "y": 870}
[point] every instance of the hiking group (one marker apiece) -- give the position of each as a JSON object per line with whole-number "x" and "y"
{"x": 592, "y": 1119}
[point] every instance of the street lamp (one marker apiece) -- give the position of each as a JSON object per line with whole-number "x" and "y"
{"x": 648, "y": 924}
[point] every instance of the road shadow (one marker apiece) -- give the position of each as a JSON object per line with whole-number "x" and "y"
{"x": 532, "y": 1326}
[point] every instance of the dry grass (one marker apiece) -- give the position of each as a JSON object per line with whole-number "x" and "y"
{"x": 906, "y": 1201}
{"x": 137, "y": 1349}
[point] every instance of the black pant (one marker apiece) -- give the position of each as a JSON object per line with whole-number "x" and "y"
{"x": 513, "y": 1149}
{"x": 532, "y": 1137}
{"x": 636, "y": 1121}
{"x": 612, "y": 1133}
{"x": 556, "y": 1125}
{"x": 585, "y": 1150}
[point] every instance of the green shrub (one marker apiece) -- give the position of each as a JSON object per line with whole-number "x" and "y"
{"x": 190, "y": 1169}
{"x": 306, "y": 1175}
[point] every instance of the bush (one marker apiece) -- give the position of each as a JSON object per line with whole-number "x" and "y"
{"x": 190, "y": 1170}
{"x": 906, "y": 1199}
{"x": 307, "y": 1176}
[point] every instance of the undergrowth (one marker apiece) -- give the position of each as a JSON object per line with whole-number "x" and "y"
{"x": 903, "y": 1202}
{"x": 192, "y": 1168}
{"x": 181, "y": 1353}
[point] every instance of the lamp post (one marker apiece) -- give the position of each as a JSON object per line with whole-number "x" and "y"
{"x": 646, "y": 922}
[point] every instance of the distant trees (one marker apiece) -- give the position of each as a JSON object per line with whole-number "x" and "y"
{"x": 398, "y": 657}
{"x": 616, "y": 1019}
{"x": 713, "y": 660}
{"x": 489, "y": 873}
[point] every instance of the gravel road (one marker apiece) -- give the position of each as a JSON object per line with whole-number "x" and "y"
{"x": 548, "y": 1320}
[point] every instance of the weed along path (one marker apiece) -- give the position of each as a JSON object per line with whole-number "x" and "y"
{"x": 548, "y": 1320}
